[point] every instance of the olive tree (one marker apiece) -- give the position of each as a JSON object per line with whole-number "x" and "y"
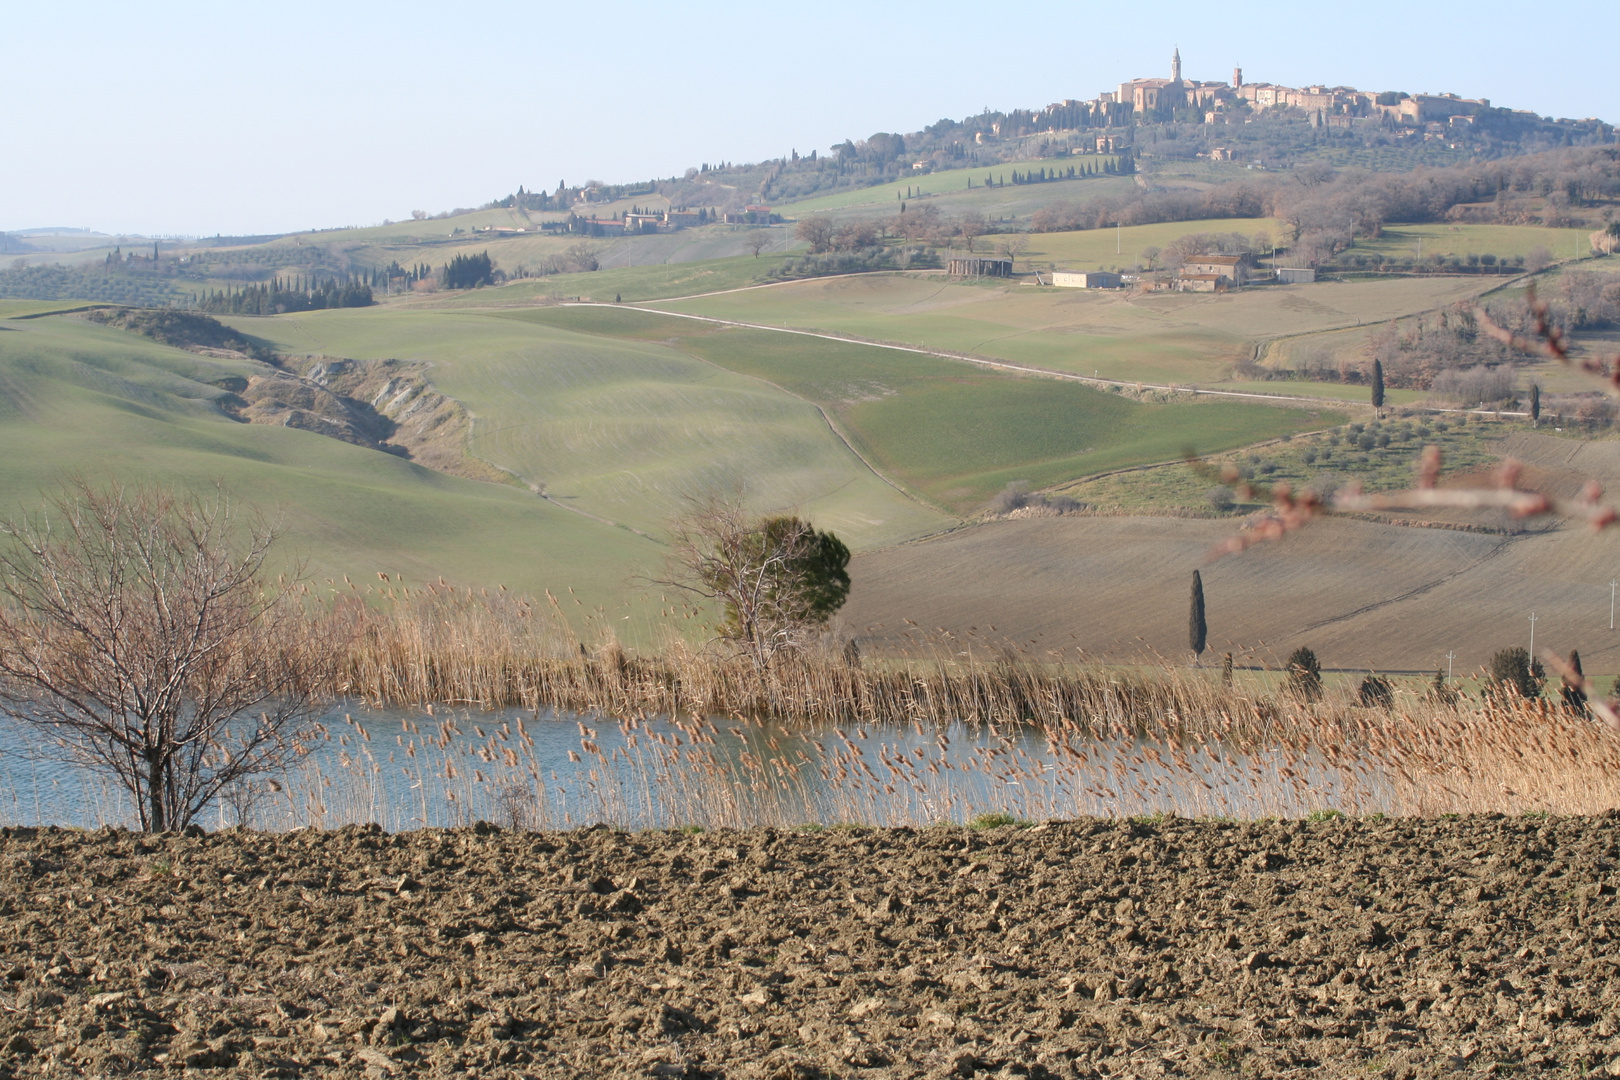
{"x": 137, "y": 630}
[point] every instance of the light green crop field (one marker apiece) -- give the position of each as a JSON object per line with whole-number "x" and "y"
{"x": 622, "y": 429}
{"x": 1444, "y": 238}
{"x": 1089, "y": 249}
{"x": 952, "y": 431}
{"x": 80, "y": 399}
{"x": 953, "y": 182}
{"x": 1185, "y": 338}
{"x": 630, "y": 283}
{"x": 19, "y": 309}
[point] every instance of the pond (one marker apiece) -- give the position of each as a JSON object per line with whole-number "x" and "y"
{"x": 406, "y": 768}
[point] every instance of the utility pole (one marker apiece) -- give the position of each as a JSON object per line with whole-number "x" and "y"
{"x": 1613, "y": 584}
{"x": 1118, "y": 233}
{"x": 1532, "y": 637}
{"x": 1450, "y": 656}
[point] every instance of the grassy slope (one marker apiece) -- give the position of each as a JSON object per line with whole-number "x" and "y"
{"x": 954, "y": 183}
{"x": 622, "y": 429}
{"x": 87, "y": 400}
{"x": 957, "y": 433}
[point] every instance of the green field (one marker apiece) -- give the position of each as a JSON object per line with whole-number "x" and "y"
{"x": 1178, "y": 338}
{"x": 80, "y": 399}
{"x": 1091, "y": 249}
{"x": 951, "y": 431}
{"x": 1442, "y": 238}
{"x": 631, "y": 283}
{"x": 953, "y": 183}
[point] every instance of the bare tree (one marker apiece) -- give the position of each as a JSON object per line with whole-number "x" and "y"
{"x": 1015, "y": 245}
{"x": 778, "y": 579}
{"x": 818, "y": 232}
{"x": 758, "y": 240}
{"x": 971, "y": 226}
{"x": 135, "y": 628}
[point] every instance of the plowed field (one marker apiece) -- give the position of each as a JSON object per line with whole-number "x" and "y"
{"x": 1082, "y": 949}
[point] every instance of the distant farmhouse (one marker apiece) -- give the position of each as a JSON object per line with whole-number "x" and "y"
{"x": 1098, "y": 279}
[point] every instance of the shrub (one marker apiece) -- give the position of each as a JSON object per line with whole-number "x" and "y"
{"x": 1375, "y": 692}
{"x": 1304, "y": 675}
{"x": 1513, "y": 671}
{"x": 1221, "y": 499}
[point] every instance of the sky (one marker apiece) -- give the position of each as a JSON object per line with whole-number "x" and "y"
{"x": 166, "y": 118}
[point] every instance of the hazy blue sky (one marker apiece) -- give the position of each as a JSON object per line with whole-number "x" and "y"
{"x": 207, "y": 117}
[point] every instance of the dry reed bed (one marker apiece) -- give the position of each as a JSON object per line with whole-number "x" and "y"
{"x": 818, "y": 737}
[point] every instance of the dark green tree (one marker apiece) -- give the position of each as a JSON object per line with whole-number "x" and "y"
{"x": 776, "y": 579}
{"x": 1512, "y": 671}
{"x": 1535, "y": 403}
{"x": 1378, "y": 385}
{"x": 469, "y": 272}
{"x": 1376, "y": 692}
{"x": 1197, "y": 629}
{"x": 1304, "y": 674}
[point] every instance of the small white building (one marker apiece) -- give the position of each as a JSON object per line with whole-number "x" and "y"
{"x": 1096, "y": 279}
{"x": 1295, "y": 275}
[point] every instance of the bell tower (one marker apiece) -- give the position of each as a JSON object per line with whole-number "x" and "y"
{"x": 1175, "y": 66}
{"x": 1237, "y": 77}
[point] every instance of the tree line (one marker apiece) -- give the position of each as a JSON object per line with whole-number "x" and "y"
{"x": 281, "y": 295}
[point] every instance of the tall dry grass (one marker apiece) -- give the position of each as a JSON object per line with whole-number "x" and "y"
{"x": 940, "y": 733}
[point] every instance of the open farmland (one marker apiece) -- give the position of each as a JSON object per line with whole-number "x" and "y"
{"x": 620, "y": 429}
{"x": 954, "y": 432}
{"x": 70, "y": 390}
{"x": 1185, "y": 338}
{"x": 1362, "y": 594}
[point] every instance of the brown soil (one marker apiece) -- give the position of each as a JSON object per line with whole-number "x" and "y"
{"x": 1093, "y": 948}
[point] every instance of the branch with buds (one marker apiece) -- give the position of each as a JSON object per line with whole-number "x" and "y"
{"x": 1290, "y": 512}
{"x": 1550, "y": 341}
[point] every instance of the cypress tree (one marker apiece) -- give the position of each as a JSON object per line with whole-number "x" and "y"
{"x": 1535, "y": 403}
{"x": 1197, "y": 630}
{"x": 1378, "y": 385}
{"x": 1573, "y": 692}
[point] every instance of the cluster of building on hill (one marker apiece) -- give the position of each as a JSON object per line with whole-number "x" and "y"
{"x": 636, "y": 221}
{"x": 1331, "y": 106}
{"x": 1197, "y": 273}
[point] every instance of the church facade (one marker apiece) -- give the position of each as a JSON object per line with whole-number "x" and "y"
{"x": 1169, "y": 95}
